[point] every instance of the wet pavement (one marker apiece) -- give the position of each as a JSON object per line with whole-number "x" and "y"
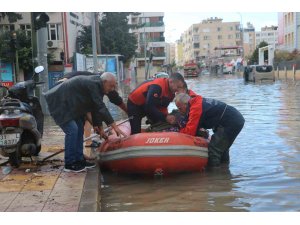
{"x": 264, "y": 173}
{"x": 43, "y": 186}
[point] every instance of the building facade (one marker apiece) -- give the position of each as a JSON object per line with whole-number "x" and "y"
{"x": 63, "y": 29}
{"x": 267, "y": 34}
{"x": 179, "y": 53}
{"x": 289, "y": 30}
{"x": 170, "y": 53}
{"x": 151, "y": 41}
{"x": 249, "y": 40}
{"x": 201, "y": 40}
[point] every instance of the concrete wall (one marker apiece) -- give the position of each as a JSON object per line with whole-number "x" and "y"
{"x": 287, "y": 75}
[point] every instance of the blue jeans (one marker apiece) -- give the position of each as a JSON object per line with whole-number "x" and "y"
{"x": 73, "y": 140}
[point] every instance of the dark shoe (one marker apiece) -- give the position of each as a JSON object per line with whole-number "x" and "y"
{"x": 75, "y": 167}
{"x": 87, "y": 165}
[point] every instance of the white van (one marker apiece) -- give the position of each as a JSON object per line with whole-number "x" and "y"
{"x": 259, "y": 73}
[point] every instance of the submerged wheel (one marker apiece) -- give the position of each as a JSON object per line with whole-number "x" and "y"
{"x": 15, "y": 159}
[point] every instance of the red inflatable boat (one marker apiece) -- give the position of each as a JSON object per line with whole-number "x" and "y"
{"x": 153, "y": 153}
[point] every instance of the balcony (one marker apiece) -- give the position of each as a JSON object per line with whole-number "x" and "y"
{"x": 159, "y": 39}
{"x": 156, "y": 54}
{"x": 154, "y": 24}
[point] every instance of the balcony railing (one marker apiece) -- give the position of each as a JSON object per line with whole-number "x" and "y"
{"x": 155, "y": 54}
{"x": 154, "y": 24}
{"x": 158, "y": 39}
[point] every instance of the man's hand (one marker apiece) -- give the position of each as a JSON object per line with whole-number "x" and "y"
{"x": 118, "y": 130}
{"x": 171, "y": 119}
{"x": 99, "y": 130}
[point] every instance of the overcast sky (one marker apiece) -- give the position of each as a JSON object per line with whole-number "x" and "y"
{"x": 177, "y": 22}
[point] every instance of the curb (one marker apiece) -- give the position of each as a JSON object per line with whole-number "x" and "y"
{"x": 91, "y": 198}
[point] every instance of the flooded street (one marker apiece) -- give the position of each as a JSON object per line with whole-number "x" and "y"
{"x": 264, "y": 173}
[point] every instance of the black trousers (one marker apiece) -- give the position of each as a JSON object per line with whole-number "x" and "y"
{"x": 224, "y": 135}
{"x": 137, "y": 113}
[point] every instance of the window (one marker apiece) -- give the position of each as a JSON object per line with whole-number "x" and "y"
{"x": 230, "y": 28}
{"x": 26, "y": 28}
{"x": 196, "y": 38}
{"x": 54, "y": 32}
{"x": 74, "y": 15}
{"x": 237, "y": 35}
{"x": 196, "y": 45}
{"x": 219, "y": 29}
{"x": 219, "y": 37}
{"x": 7, "y": 27}
{"x": 206, "y": 37}
{"x": 229, "y": 36}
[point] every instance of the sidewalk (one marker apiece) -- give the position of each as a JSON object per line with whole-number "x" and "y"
{"x": 35, "y": 188}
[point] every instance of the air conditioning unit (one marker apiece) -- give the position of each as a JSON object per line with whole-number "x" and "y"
{"x": 52, "y": 44}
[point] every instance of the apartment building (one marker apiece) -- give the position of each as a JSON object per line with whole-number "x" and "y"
{"x": 267, "y": 34}
{"x": 203, "y": 40}
{"x": 249, "y": 40}
{"x": 151, "y": 40}
{"x": 289, "y": 30}
{"x": 170, "y": 53}
{"x": 179, "y": 53}
{"x": 63, "y": 29}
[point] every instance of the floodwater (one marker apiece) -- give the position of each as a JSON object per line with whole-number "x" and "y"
{"x": 264, "y": 173}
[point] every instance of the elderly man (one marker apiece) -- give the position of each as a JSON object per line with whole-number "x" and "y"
{"x": 68, "y": 104}
{"x": 151, "y": 99}
{"x": 113, "y": 96}
{"x": 225, "y": 120}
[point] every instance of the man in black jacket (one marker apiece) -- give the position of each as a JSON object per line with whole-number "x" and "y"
{"x": 113, "y": 96}
{"x": 68, "y": 104}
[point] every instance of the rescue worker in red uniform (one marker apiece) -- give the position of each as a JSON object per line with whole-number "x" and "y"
{"x": 225, "y": 120}
{"x": 151, "y": 99}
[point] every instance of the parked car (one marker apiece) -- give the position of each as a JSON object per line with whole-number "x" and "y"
{"x": 259, "y": 72}
{"x": 228, "y": 68}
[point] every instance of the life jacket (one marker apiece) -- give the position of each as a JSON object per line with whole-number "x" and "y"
{"x": 194, "y": 116}
{"x": 138, "y": 96}
{"x": 191, "y": 93}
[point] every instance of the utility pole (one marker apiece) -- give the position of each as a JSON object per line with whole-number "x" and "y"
{"x": 39, "y": 52}
{"x": 94, "y": 45}
{"x": 15, "y": 46}
{"x": 42, "y": 60}
{"x": 33, "y": 41}
{"x": 97, "y": 33}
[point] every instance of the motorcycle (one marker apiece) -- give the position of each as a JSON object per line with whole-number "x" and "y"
{"x": 21, "y": 121}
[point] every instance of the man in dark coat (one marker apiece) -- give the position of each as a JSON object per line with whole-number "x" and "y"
{"x": 68, "y": 104}
{"x": 225, "y": 120}
{"x": 113, "y": 96}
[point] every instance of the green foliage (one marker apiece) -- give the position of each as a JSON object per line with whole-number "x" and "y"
{"x": 85, "y": 40}
{"x": 12, "y": 16}
{"x": 282, "y": 55}
{"x": 114, "y": 35}
{"x": 7, "y": 53}
{"x": 254, "y": 57}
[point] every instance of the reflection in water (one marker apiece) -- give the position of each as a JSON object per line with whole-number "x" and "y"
{"x": 264, "y": 173}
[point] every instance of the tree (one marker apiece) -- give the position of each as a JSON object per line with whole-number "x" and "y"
{"x": 115, "y": 36}
{"x": 23, "y": 45}
{"x": 12, "y": 16}
{"x": 254, "y": 57}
